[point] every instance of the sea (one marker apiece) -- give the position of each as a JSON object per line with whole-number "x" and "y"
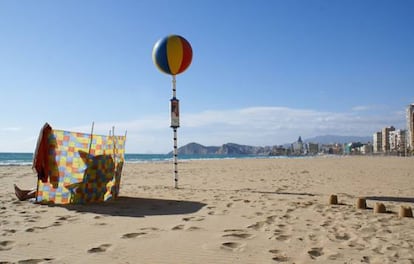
{"x": 24, "y": 159}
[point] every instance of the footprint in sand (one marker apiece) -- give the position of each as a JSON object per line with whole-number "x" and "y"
{"x": 33, "y": 229}
{"x": 233, "y": 246}
{"x": 193, "y": 218}
{"x": 8, "y": 232}
{"x": 237, "y": 233}
{"x": 313, "y": 237}
{"x": 149, "y": 229}
{"x": 6, "y": 245}
{"x": 327, "y": 223}
{"x": 359, "y": 246}
{"x": 365, "y": 259}
{"x": 278, "y": 256}
{"x": 63, "y": 218}
{"x": 133, "y": 235}
{"x": 271, "y": 219}
{"x": 100, "y": 224}
{"x": 193, "y": 228}
{"x": 178, "y": 227}
{"x": 315, "y": 252}
{"x": 258, "y": 225}
{"x": 335, "y": 256}
{"x": 101, "y": 248}
{"x": 34, "y": 261}
{"x": 31, "y": 220}
{"x": 343, "y": 236}
{"x": 274, "y": 251}
{"x": 224, "y": 212}
{"x": 280, "y": 237}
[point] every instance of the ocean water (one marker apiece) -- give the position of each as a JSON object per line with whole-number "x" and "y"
{"x": 22, "y": 159}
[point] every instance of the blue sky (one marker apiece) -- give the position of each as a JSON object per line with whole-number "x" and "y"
{"x": 263, "y": 72}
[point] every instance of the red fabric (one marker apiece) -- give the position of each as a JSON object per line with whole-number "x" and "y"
{"x": 41, "y": 159}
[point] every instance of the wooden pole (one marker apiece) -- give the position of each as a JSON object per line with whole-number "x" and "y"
{"x": 114, "y": 145}
{"x": 90, "y": 143}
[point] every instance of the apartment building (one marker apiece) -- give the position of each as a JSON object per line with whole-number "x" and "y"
{"x": 410, "y": 126}
{"x": 397, "y": 141}
{"x": 377, "y": 142}
{"x": 386, "y": 138}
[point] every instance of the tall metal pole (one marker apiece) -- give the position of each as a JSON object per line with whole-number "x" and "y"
{"x": 175, "y": 160}
{"x": 175, "y": 123}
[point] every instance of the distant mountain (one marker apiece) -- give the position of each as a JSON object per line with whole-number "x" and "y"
{"x": 198, "y": 149}
{"x": 225, "y": 149}
{"x": 232, "y": 148}
{"x": 330, "y": 139}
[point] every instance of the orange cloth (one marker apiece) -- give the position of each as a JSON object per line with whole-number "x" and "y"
{"x": 41, "y": 155}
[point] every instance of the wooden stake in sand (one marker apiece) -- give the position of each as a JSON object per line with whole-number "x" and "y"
{"x": 333, "y": 199}
{"x": 379, "y": 208}
{"x": 405, "y": 211}
{"x": 361, "y": 203}
{"x": 91, "y": 139}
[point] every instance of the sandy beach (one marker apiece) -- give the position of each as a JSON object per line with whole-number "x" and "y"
{"x": 225, "y": 211}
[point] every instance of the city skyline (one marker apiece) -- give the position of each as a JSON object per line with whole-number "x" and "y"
{"x": 398, "y": 140}
{"x": 262, "y": 73}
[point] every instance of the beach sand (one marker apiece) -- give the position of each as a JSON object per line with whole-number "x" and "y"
{"x": 225, "y": 211}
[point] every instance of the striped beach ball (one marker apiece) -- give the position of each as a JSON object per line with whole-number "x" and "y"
{"x": 172, "y": 54}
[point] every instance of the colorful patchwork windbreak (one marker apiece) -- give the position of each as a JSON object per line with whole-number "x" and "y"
{"x": 82, "y": 168}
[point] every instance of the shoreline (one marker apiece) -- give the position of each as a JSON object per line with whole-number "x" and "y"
{"x": 187, "y": 158}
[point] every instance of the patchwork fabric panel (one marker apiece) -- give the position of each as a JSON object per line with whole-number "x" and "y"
{"x": 83, "y": 168}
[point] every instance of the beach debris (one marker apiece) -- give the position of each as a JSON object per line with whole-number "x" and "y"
{"x": 333, "y": 199}
{"x": 379, "y": 208}
{"x": 361, "y": 203}
{"x": 405, "y": 211}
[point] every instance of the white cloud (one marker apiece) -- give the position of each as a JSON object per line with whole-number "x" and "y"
{"x": 10, "y": 129}
{"x": 361, "y": 108}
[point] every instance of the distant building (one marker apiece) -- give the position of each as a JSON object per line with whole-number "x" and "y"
{"x": 347, "y": 148}
{"x": 410, "y": 126}
{"x": 386, "y": 138}
{"x": 353, "y": 148}
{"x": 332, "y": 149}
{"x": 279, "y": 151}
{"x": 366, "y": 149}
{"x": 313, "y": 148}
{"x": 377, "y": 142}
{"x": 397, "y": 140}
{"x": 298, "y": 147}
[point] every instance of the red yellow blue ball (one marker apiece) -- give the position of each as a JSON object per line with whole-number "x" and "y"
{"x": 172, "y": 54}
